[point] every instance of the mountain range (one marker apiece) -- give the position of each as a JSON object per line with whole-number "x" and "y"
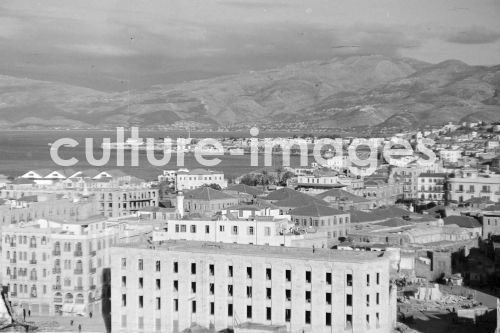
{"x": 340, "y": 92}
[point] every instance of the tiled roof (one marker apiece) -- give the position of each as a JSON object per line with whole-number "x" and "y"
{"x": 462, "y": 221}
{"x": 243, "y": 188}
{"x": 316, "y": 210}
{"x": 341, "y": 194}
{"x": 207, "y": 193}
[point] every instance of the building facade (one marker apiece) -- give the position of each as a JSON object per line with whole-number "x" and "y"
{"x": 54, "y": 267}
{"x": 432, "y": 188}
{"x": 169, "y": 287}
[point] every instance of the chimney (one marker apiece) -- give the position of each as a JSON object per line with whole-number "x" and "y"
{"x": 180, "y": 204}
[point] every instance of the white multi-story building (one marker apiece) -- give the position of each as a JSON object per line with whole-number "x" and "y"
{"x": 470, "y": 184}
{"x": 192, "y": 179}
{"x": 56, "y": 267}
{"x": 432, "y": 187}
{"x": 172, "y": 286}
{"x": 450, "y": 155}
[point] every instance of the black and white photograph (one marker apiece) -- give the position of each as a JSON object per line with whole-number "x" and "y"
{"x": 250, "y": 166}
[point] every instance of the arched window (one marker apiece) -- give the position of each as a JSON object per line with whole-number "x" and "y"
{"x": 33, "y": 241}
{"x": 79, "y": 299}
{"x": 44, "y": 240}
{"x": 68, "y": 298}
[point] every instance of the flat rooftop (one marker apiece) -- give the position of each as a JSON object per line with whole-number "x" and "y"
{"x": 319, "y": 254}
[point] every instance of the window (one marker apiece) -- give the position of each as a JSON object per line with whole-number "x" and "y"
{"x": 141, "y": 264}
{"x": 249, "y": 291}
{"x": 158, "y": 284}
{"x": 288, "y": 315}
{"x": 349, "y": 280}
{"x": 230, "y": 290}
{"x": 308, "y": 276}
{"x": 349, "y": 300}
{"x": 212, "y": 308}
{"x": 235, "y": 230}
{"x": 158, "y": 267}
{"x": 268, "y": 274}
{"x": 308, "y": 297}
{"x": 212, "y": 288}
{"x": 141, "y": 301}
{"x": 378, "y": 278}
{"x": 193, "y": 287}
{"x": 176, "y": 285}
{"x": 288, "y": 275}
{"x": 124, "y": 281}
{"x": 377, "y": 299}
{"x": 176, "y": 304}
{"x": 193, "y": 306}
{"x": 193, "y": 268}
{"x": 367, "y": 300}
{"x": 230, "y": 310}
{"x": 230, "y": 271}
{"x": 207, "y": 229}
{"x": 249, "y": 312}
{"x": 158, "y": 303}
{"x": 328, "y": 298}
{"x": 328, "y": 319}
{"x": 141, "y": 283}
{"x": 124, "y": 299}
{"x": 288, "y": 294}
{"x": 176, "y": 267}
{"x": 348, "y": 320}
{"x": 183, "y": 228}
{"x": 328, "y": 278}
{"x": 211, "y": 269}
{"x": 368, "y": 320}
{"x": 267, "y": 231}
{"x": 124, "y": 262}
{"x": 249, "y": 272}
{"x": 268, "y": 313}
{"x": 367, "y": 280}
{"x": 308, "y": 317}
{"x": 250, "y": 230}
{"x": 193, "y": 228}
{"x": 268, "y": 293}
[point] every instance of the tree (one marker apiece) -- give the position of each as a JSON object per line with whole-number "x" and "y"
{"x": 213, "y": 186}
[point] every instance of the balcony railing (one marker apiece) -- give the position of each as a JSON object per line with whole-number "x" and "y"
{"x": 78, "y": 253}
{"x": 78, "y": 271}
{"x": 92, "y": 270}
{"x": 78, "y": 288}
{"x": 56, "y": 287}
{"x": 92, "y": 253}
{"x": 32, "y": 262}
{"x": 56, "y": 252}
{"x": 13, "y": 277}
{"x": 56, "y": 270}
{"x": 13, "y": 261}
{"x": 13, "y": 294}
{"x": 93, "y": 287}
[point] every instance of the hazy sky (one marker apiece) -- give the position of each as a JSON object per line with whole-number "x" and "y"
{"x": 105, "y": 43}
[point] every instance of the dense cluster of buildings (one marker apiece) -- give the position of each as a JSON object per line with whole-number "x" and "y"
{"x": 318, "y": 252}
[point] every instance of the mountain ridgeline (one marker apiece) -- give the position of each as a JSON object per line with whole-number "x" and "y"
{"x": 339, "y": 93}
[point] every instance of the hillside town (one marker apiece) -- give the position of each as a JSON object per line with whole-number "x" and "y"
{"x": 280, "y": 249}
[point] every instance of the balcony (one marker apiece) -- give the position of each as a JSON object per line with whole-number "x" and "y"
{"x": 56, "y": 270}
{"x": 56, "y": 252}
{"x": 32, "y": 262}
{"x": 92, "y": 253}
{"x": 13, "y": 277}
{"x": 56, "y": 287}
{"x": 78, "y": 288}
{"x": 78, "y": 253}
{"x": 78, "y": 271}
{"x": 12, "y": 244}
{"x": 13, "y": 261}
{"x": 93, "y": 287}
{"x": 92, "y": 270}
{"x": 13, "y": 294}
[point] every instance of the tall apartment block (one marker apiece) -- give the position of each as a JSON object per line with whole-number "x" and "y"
{"x": 172, "y": 285}
{"x": 57, "y": 267}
